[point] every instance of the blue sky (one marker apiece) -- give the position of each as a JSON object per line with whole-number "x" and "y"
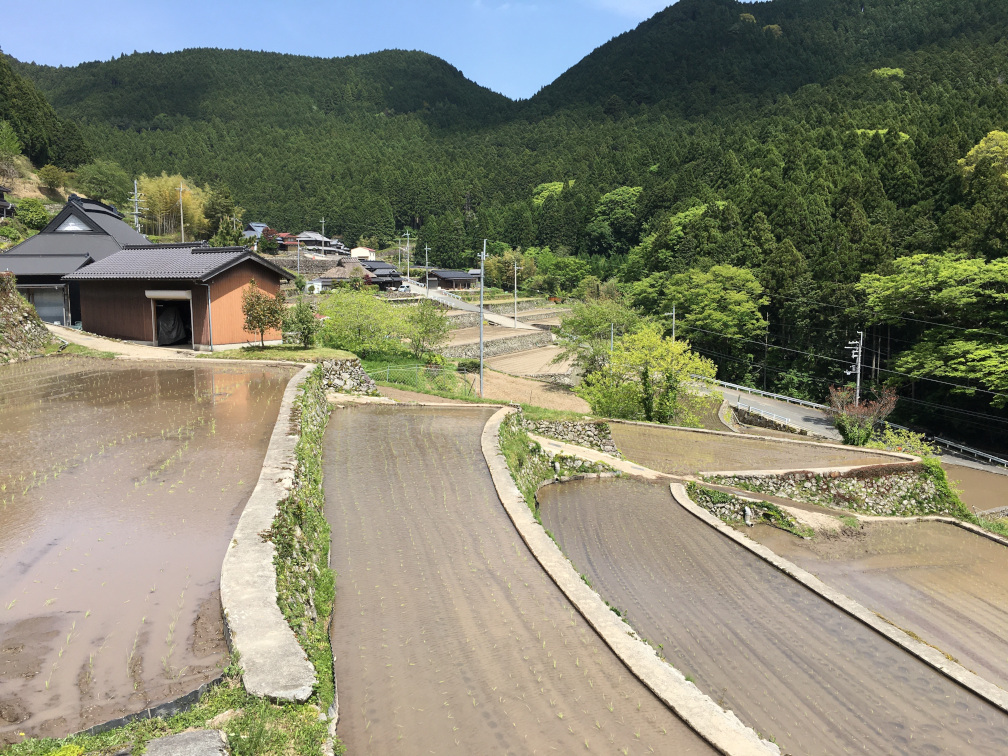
{"x": 511, "y": 46}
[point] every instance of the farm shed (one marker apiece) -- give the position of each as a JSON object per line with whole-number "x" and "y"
{"x": 184, "y": 294}
{"x": 453, "y": 279}
{"x": 83, "y": 232}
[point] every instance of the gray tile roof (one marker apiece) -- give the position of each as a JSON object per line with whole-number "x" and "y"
{"x": 42, "y": 265}
{"x": 176, "y": 262}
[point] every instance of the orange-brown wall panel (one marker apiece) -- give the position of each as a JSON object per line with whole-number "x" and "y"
{"x": 226, "y": 302}
{"x": 116, "y": 309}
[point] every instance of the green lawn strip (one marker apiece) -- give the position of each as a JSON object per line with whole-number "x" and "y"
{"x": 53, "y": 348}
{"x": 253, "y": 726}
{"x": 281, "y": 352}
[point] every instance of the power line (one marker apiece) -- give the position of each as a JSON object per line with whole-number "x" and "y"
{"x": 846, "y": 362}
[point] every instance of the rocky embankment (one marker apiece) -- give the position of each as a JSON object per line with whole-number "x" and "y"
{"x": 903, "y": 491}
{"x": 592, "y": 434}
{"x": 22, "y": 334}
{"x": 347, "y": 377}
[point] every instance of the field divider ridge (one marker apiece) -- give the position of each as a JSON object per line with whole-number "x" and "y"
{"x": 273, "y": 663}
{"x": 722, "y": 729}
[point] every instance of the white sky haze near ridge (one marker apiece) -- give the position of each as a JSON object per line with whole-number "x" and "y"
{"x": 514, "y": 47}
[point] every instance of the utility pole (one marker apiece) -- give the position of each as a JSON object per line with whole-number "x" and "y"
{"x": 299, "y": 256}
{"x": 323, "y": 236}
{"x": 482, "y": 261}
{"x": 612, "y": 338}
{"x": 673, "y": 322}
{"x": 426, "y": 262}
{"x": 136, "y": 205}
{"x": 181, "y": 186}
{"x": 516, "y": 293}
{"x": 856, "y": 348}
{"x": 407, "y": 253}
{"x": 399, "y": 250}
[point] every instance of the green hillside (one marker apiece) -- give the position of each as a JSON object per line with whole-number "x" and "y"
{"x": 44, "y": 136}
{"x": 807, "y": 161}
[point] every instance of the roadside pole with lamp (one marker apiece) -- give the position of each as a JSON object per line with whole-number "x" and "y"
{"x": 482, "y": 261}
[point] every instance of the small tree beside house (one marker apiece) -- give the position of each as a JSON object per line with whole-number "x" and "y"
{"x": 262, "y": 312}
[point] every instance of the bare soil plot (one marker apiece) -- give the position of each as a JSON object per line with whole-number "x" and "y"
{"x": 680, "y": 452}
{"x": 943, "y": 583}
{"x": 120, "y": 489}
{"x": 448, "y": 636}
{"x": 790, "y": 664}
{"x": 530, "y": 362}
{"x": 511, "y": 388}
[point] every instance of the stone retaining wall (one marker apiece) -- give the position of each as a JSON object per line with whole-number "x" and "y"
{"x": 21, "y": 332}
{"x": 465, "y": 320}
{"x": 508, "y": 309}
{"x": 347, "y": 377}
{"x": 560, "y": 379}
{"x": 498, "y": 347}
{"x": 594, "y": 435}
{"x": 757, "y": 420}
{"x": 900, "y": 490}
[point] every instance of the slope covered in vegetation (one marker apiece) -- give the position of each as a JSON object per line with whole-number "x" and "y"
{"x": 794, "y": 159}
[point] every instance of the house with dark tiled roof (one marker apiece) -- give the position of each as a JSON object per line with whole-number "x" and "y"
{"x": 175, "y": 294}
{"x": 83, "y": 232}
{"x": 453, "y": 279}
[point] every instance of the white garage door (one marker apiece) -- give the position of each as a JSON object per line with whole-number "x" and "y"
{"x": 49, "y": 304}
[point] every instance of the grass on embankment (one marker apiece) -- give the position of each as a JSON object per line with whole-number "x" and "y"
{"x": 53, "y": 348}
{"x": 288, "y": 352}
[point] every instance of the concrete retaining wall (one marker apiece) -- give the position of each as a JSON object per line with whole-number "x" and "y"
{"x": 273, "y": 663}
{"x": 721, "y": 729}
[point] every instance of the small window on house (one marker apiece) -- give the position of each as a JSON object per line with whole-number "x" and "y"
{"x": 73, "y": 223}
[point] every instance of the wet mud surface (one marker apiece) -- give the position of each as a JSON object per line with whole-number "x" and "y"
{"x": 979, "y": 489}
{"x": 448, "y": 636}
{"x": 681, "y": 452}
{"x": 121, "y": 486}
{"x": 943, "y": 583}
{"x": 790, "y": 664}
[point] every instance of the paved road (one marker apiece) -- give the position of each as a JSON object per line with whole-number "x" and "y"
{"x": 448, "y": 636}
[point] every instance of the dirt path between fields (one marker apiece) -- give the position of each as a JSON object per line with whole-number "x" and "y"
{"x": 448, "y": 635}
{"x": 525, "y": 390}
{"x": 791, "y": 665}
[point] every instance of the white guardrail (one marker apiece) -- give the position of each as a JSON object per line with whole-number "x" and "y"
{"x": 942, "y": 442}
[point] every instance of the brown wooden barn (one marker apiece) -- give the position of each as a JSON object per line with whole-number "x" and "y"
{"x": 181, "y": 294}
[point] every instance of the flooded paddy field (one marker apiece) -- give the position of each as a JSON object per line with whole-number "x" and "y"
{"x": 120, "y": 488}
{"x": 790, "y": 664}
{"x": 448, "y": 636}
{"x": 980, "y": 490}
{"x": 682, "y": 452}
{"x": 945, "y": 584}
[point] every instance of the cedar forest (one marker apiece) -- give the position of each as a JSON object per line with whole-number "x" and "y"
{"x": 783, "y": 173}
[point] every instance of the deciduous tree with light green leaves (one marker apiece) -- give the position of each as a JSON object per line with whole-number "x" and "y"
{"x": 968, "y": 294}
{"x": 427, "y": 328}
{"x": 647, "y": 379}
{"x": 584, "y": 334}
{"x": 262, "y": 312}
{"x": 361, "y": 323}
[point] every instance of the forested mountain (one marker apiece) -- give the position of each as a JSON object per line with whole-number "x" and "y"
{"x": 824, "y": 154}
{"x": 44, "y": 136}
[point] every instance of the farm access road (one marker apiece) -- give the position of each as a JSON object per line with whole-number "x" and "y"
{"x": 447, "y": 632}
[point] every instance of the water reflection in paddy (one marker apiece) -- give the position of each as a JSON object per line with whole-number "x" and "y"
{"x": 121, "y": 486}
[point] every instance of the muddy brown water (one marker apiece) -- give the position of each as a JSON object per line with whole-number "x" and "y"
{"x": 448, "y": 636}
{"x": 790, "y": 664}
{"x": 682, "y": 452}
{"x": 943, "y": 583}
{"x": 121, "y": 487}
{"x": 979, "y": 489}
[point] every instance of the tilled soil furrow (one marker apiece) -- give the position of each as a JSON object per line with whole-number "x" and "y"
{"x": 790, "y": 664}
{"x": 447, "y": 633}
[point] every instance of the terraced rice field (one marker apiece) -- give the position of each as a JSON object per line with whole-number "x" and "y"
{"x": 120, "y": 489}
{"x": 943, "y": 583}
{"x": 448, "y": 636}
{"x": 682, "y": 452}
{"x": 787, "y": 662}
